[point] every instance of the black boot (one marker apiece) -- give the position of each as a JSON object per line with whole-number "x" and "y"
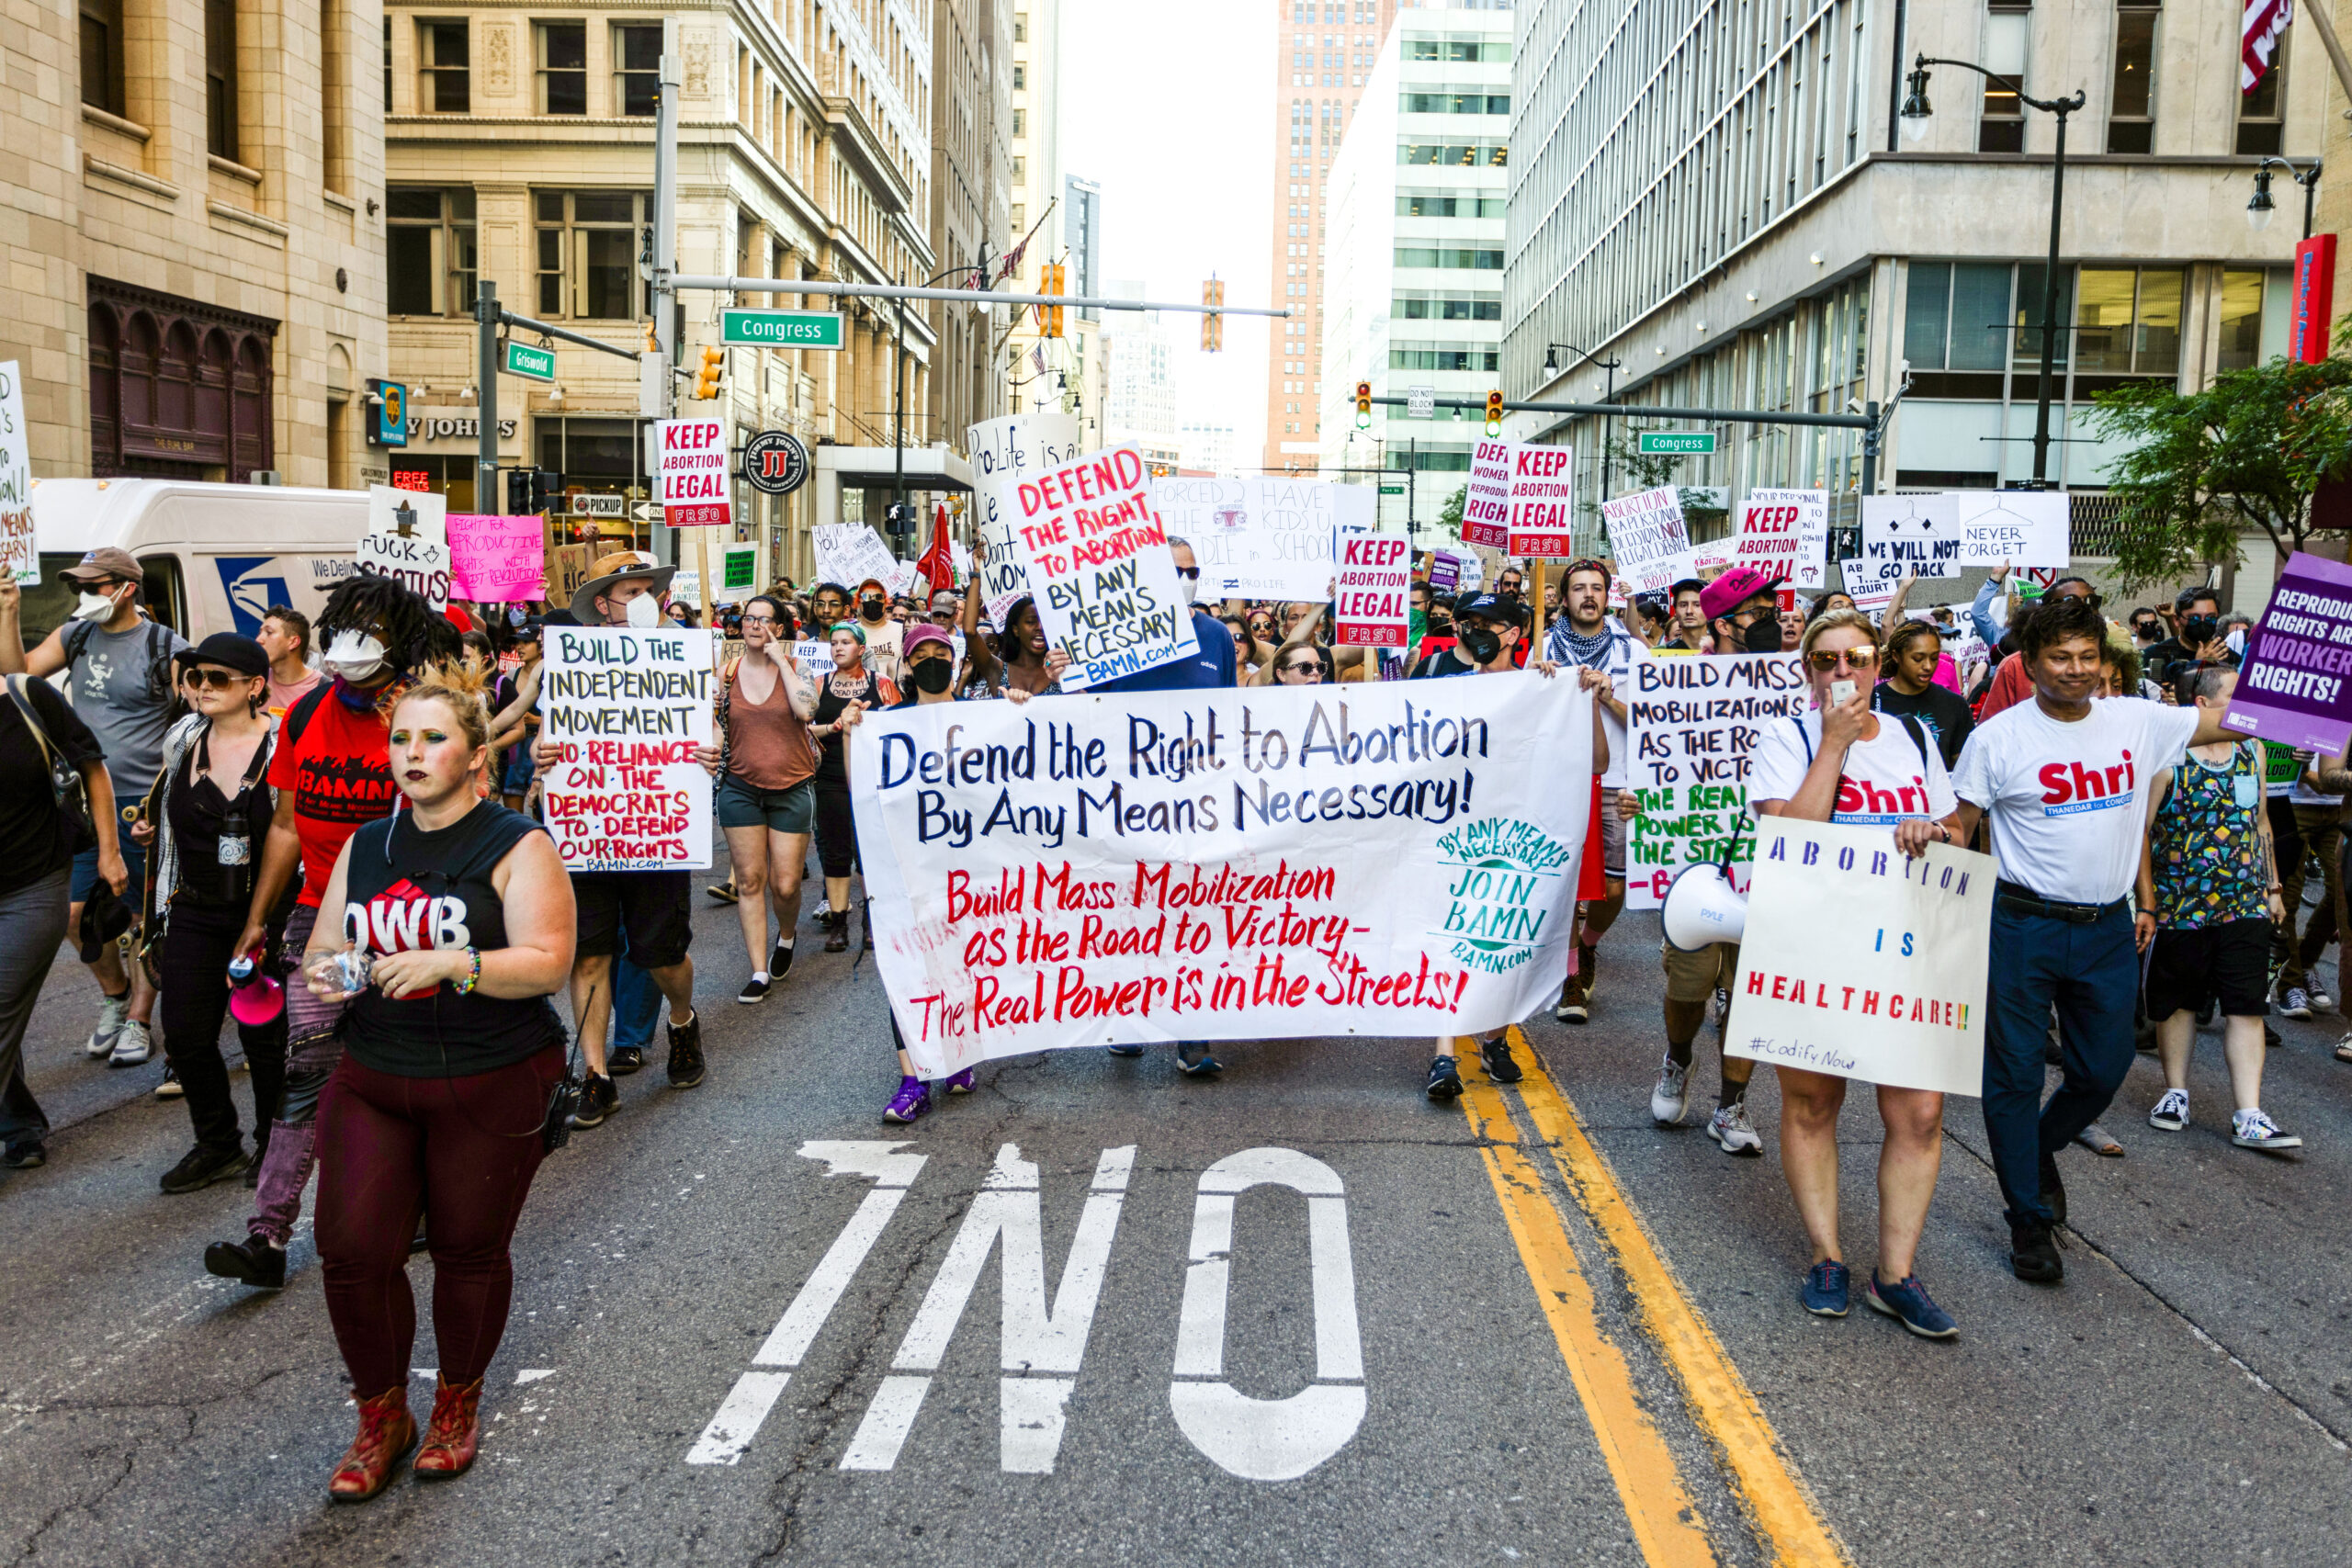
{"x": 837, "y": 931}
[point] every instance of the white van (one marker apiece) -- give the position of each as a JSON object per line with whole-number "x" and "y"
{"x": 218, "y": 556}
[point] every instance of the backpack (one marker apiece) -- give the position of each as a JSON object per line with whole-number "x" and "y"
{"x": 66, "y": 790}
{"x": 1911, "y": 727}
{"x": 161, "y": 687}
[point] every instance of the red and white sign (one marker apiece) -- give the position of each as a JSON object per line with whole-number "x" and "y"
{"x": 2314, "y": 300}
{"x": 1370, "y": 590}
{"x": 691, "y": 481}
{"x": 1785, "y": 534}
{"x": 1486, "y": 501}
{"x": 1542, "y": 516}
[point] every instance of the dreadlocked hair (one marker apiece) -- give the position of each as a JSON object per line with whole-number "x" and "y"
{"x": 415, "y": 635}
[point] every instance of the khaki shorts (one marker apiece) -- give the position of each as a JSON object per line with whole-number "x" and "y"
{"x": 1612, "y": 836}
{"x": 1696, "y": 977}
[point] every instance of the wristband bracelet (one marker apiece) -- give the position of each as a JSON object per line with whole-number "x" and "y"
{"x": 465, "y": 987}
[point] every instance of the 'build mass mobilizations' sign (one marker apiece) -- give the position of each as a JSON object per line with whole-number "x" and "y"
{"x": 629, "y": 707}
{"x": 1098, "y": 562}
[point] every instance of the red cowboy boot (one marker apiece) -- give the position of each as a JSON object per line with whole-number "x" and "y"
{"x": 454, "y": 1433}
{"x": 387, "y": 1432}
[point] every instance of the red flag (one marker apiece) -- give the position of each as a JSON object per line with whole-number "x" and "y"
{"x": 938, "y": 562}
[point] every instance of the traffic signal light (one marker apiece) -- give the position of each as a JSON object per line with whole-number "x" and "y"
{"x": 1212, "y": 323}
{"x": 1049, "y": 317}
{"x": 531, "y": 491}
{"x": 1363, "y": 405}
{"x": 714, "y": 367}
{"x": 1493, "y": 413}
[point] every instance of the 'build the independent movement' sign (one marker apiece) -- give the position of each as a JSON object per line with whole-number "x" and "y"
{"x": 2295, "y": 687}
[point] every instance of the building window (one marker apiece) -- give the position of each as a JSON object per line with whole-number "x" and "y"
{"x": 1448, "y": 306}
{"x": 1444, "y": 356}
{"x": 220, "y": 78}
{"x": 444, "y": 84}
{"x": 2127, "y": 325}
{"x": 430, "y": 261}
{"x": 1019, "y": 77}
{"x": 637, "y": 68}
{"x": 2002, "y": 127}
{"x": 1479, "y": 155}
{"x": 2132, "y": 106}
{"x": 1019, "y": 122}
{"x": 563, "y": 67}
{"x": 588, "y": 244}
{"x": 1448, "y": 256}
{"x": 1451, "y": 101}
{"x": 335, "y": 94}
{"x": 1020, "y": 169}
{"x": 1020, "y": 214}
{"x": 2260, "y": 124}
{"x": 1448, "y": 204}
{"x": 102, "y": 55}
{"x": 1954, "y": 319}
{"x": 2253, "y": 310}
{"x": 1021, "y": 26}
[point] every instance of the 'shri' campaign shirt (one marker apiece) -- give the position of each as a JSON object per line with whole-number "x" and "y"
{"x": 1884, "y": 779}
{"x": 2067, "y": 802}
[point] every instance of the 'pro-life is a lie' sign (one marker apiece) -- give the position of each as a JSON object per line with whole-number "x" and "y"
{"x": 690, "y": 476}
{"x": 1370, "y": 591}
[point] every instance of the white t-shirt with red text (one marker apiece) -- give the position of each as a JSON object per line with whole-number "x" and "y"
{"x": 2068, "y": 802}
{"x": 1884, "y": 779}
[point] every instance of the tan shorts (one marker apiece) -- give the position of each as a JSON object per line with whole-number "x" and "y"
{"x": 1612, "y": 836}
{"x": 1696, "y": 977}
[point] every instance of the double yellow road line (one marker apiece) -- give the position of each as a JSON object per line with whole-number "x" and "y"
{"x": 1672, "y": 1533}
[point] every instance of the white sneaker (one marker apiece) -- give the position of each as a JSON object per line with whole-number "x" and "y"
{"x": 1728, "y": 1127}
{"x": 2172, "y": 1111}
{"x": 132, "y": 1046}
{"x": 2294, "y": 1002}
{"x": 1720, "y": 1013}
{"x": 112, "y": 1012}
{"x": 2253, "y": 1130}
{"x": 2321, "y": 1001}
{"x": 1671, "y": 1097}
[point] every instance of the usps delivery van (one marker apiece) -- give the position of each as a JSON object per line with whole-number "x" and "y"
{"x": 218, "y": 556}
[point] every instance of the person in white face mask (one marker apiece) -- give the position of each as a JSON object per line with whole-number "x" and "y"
{"x": 124, "y": 686}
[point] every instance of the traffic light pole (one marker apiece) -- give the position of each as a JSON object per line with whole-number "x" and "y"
{"x": 488, "y": 318}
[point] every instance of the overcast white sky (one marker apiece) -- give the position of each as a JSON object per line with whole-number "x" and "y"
{"x": 1170, "y": 108}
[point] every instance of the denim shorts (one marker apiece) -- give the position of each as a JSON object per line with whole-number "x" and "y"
{"x": 742, "y": 805}
{"x": 134, "y": 860}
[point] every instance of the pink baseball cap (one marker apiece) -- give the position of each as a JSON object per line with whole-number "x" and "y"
{"x": 1736, "y": 588}
{"x": 924, "y": 632}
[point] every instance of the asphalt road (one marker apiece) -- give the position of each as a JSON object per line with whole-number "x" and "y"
{"x": 1532, "y": 1328}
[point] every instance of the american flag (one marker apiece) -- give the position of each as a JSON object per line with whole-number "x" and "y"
{"x": 1037, "y": 358}
{"x": 2258, "y": 39}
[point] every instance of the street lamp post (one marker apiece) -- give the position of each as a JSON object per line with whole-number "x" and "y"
{"x": 2258, "y": 211}
{"x": 1916, "y": 110}
{"x": 1611, "y": 364}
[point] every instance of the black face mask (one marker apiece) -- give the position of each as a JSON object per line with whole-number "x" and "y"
{"x": 1481, "y": 643}
{"x": 933, "y": 674}
{"x": 1763, "y": 634}
{"x": 871, "y": 609}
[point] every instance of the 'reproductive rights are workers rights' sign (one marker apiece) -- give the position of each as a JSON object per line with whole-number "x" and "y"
{"x": 2295, "y": 687}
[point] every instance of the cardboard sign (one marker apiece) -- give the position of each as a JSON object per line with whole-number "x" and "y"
{"x": 1375, "y": 571}
{"x": 2023, "y": 527}
{"x": 1872, "y": 963}
{"x": 1692, "y": 724}
{"x": 1097, "y": 556}
{"x": 1541, "y": 521}
{"x": 629, "y": 707}
{"x": 427, "y": 514}
{"x": 567, "y": 568}
{"x": 1647, "y": 532}
{"x": 19, "y": 554}
{"x": 1785, "y": 533}
{"x": 1906, "y": 535}
{"x": 497, "y": 560}
{"x": 849, "y": 553}
{"x": 418, "y": 563}
{"x": 1486, "y": 498}
{"x": 2296, "y": 685}
{"x": 691, "y": 483}
{"x": 1004, "y": 452}
{"x": 1868, "y": 592}
{"x": 1262, "y": 538}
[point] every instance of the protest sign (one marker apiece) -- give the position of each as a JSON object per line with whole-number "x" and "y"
{"x": 2024, "y": 527}
{"x": 900, "y": 580}
{"x": 1646, "y": 532}
{"x": 849, "y": 553}
{"x": 1445, "y": 570}
{"x": 1541, "y": 518}
{"x": 496, "y": 561}
{"x": 1785, "y": 533}
{"x": 2296, "y": 685}
{"x": 1262, "y": 538}
{"x": 427, "y": 514}
{"x": 1380, "y": 860}
{"x": 1866, "y": 591}
{"x": 1872, "y": 963}
{"x": 815, "y": 659}
{"x": 685, "y": 586}
{"x": 1905, "y": 535}
{"x": 629, "y": 707}
{"x": 1375, "y": 571}
{"x": 1097, "y": 558}
{"x": 567, "y": 568}
{"x": 691, "y": 483}
{"x": 739, "y": 573}
{"x": 19, "y": 554}
{"x": 418, "y": 562}
{"x": 1486, "y": 498}
{"x": 1004, "y": 452}
{"x": 1692, "y": 725}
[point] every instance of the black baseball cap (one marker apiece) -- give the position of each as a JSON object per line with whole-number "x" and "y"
{"x": 1491, "y": 607}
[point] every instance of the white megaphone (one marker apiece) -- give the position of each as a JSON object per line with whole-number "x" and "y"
{"x": 1702, "y": 906}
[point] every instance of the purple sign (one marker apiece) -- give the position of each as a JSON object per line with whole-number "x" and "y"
{"x": 1445, "y": 570}
{"x": 2295, "y": 687}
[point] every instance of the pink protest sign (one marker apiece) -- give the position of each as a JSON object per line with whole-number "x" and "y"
{"x": 497, "y": 560}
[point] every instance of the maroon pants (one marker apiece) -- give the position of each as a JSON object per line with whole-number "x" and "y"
{"x": 461, "y": 1150}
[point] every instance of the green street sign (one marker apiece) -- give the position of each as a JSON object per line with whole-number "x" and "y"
{"x": 1686, "y": 443}
{"x": 1392, "y": 489}
{"x": 522, "y": 359}
{"x": 781, "y": 328}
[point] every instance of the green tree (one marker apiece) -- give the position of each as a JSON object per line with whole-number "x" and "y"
{"x": 1450, "y": 515}
{"x": 2206, "y": 468}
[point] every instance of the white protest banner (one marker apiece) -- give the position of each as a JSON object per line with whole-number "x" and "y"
{"x": 19, "y": 554}
{"x": 419, "y": 563}
{"x": 2023, "y": 527}
{"x": 1385, "y": 859}
{"x": 1541, "y": 517}
{"x": 1873, "y": 965}
{"x": 1097, "y": 558}
{"x": 685, "y": 586}
{"x": 1486, "y": 498}
{"x": 815, "y": 659}
{"x": 1375, "y": 571}
{"x": 629, "y": 707}
{"x": 427, "y": 514}
{"x": 1004, "y": 452}
{"x": 1647, "y": 532}
{"x": 1785, "y": 533}
{"x": 1692, "y": 724}
{"x": 1866, "y": 591}
{"x": 692, "y": 482}
{"x": 849, "y": 553}
{"x": 900, "y": 580}
{"x": 1262, "y": 538}
{"x": 1906, "y": 535}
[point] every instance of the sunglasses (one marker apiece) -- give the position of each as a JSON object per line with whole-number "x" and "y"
{"x": 1189, "y": 574}
{"x": 1312, "y": 667}
{"x": 218, "y": 680}
{"x": 1854, "y": 657}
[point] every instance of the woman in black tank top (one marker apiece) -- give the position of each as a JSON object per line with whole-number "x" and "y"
{"x": 841, "y": 700}
{"x": 448, "y": 926}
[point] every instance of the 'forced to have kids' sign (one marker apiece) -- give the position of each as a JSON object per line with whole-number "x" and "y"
{"x": 1098, "y": 563}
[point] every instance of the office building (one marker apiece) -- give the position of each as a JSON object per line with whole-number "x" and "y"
{"x": 971, "y": 121}
{"x": 1139, "y": 399}
{"x": 1207, "y": 448}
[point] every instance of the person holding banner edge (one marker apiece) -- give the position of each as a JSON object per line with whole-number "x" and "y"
{"x": 1584, "y": 637}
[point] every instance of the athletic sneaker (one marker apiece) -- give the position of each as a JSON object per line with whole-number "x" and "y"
{"x": 1572, "y": 1007}
{"x": 132, "y": 1046}
{"x": 625, "y": 1060}
{"x": 2033, "y": 1254}
{"x": 685, "y": 1051}
{"x": 755, "y": 989}
{"x": 1495, "y": 1055}
{"x": 2321, "y": 1000}
{"x": 1445, "y": 1080}
{"x": 960, "y": 1084}
{"x": 170, "y": 1088}
{"x": 779, "y": 962}
{"x": 2294, "y": 1002}
{"x": 722, "y": 891}
{"x": 1721, "y": 1015}
{"x": 1204, "y": 1066}
{"x": 1824, "y": 1293}
{"x": 112, "y": 1014}
{"x": 200, "y": 1168}
{"x": 2172, "y": 1111}
{"x": 1728, "y": 1127}
{"x": 1671, "y": 1097}
{"x": 1122, "y": 1050}
{"x": 912, "y": 1100}
{"x": 2253, "y": 1130}
{"x": 599, "y": 1098}
{"x": 1907, "y": 1301}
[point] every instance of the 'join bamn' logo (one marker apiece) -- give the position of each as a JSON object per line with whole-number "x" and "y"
{"x": 1503, "y": 883}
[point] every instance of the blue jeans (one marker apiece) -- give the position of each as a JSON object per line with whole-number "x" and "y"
{"x": 2092, "y": 973}
{"x": 637, "y": 1002}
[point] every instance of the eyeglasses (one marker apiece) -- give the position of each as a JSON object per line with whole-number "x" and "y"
{"x": 1312, "y": 667}
{"x": 218, "y": 680}
{"x": 1854, "y": 659}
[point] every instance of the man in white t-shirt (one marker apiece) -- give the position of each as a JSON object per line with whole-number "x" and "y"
{"x": 2063, "y": 782}
{"x": 1584, "y": 636}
